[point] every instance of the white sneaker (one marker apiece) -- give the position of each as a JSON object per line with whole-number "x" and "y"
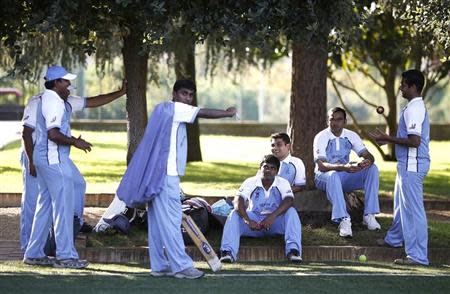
{"x": 189, "y": 273}
{"x": 164, "y": 273}
{"x": 345, "y": 228}
{"x": 371, "y": 222}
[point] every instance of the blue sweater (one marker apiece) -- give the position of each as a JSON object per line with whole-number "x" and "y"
{"x": 144, "y": 177}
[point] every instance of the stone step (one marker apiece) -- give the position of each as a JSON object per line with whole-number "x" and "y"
{"x": 315, "y": 199}
{"x": 10, "y": 250}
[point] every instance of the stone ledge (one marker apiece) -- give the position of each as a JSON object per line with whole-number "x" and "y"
{"x": 268, "y": 253}
{"x": 10, "y": 250}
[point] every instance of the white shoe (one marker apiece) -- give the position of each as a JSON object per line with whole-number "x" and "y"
{"x": 345, "y": 228}
{"x": 189, "y": 273}
{"x": 163, "y": 273}
{"x": 371, "y": 222}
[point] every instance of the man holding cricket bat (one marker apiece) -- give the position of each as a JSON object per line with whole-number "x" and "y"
{"x": 153, "y": 176}
{"x": 263, "y": 208}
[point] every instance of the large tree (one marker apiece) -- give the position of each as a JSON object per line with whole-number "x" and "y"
{"x": 270, "y": 29}
{"x": 396, "y": 36}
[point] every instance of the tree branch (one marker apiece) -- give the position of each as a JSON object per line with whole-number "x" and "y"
{"x": 358, "y": 128}
{"x": 333, "y": 79}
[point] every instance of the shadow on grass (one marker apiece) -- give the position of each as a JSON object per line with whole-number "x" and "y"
{"x": 8, "y": 169}
{"x": 12, "y": 145}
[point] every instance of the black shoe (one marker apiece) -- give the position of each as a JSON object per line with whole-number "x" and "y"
{"x": 86, "y": 228}
{"x": 226, "y": 257}
{"x": 294, "y": 256}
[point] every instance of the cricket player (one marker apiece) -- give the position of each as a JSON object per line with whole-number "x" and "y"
{"x": 409, "y": 226}
{"x": 60, "y": 182}
{"x": 292, "y": 168}
{"x": 153, "y": 176}
{"x": 335, "y": 174}
{"x": 30, "y": 183}
{"x": 269, "y": 212}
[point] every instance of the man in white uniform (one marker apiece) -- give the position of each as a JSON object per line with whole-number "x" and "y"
{"x": 413, "y": 162}
{"x": 60, "y": 182}
{"x": 335, "y": 174}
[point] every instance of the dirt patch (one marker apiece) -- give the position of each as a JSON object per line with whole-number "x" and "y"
{"x": 10, "y": 220}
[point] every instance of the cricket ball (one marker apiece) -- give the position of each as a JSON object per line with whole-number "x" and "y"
{"x": 362, "y": 258}
{"x": 380, "y": 109}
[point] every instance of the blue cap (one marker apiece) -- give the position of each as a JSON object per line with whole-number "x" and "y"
{"x": 58, "y": 72}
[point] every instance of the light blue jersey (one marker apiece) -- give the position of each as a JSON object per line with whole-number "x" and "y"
{"x": 414, "y": 121}
{"x": 261, "y": 203}
{"x": 293, "y": 170}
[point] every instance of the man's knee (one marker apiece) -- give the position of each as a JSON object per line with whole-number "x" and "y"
{"x": 333, "y": 180}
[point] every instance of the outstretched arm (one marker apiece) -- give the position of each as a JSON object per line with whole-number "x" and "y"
{"x": 103, "y": 99}
{"x": 216, "y": 113}
{"x": 382, "y": 138}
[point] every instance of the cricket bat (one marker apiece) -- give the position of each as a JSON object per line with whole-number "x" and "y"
{"x": 201, "y": 243}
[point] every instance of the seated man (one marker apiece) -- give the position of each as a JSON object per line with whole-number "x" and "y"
{"x": 292, "y": 168}
{"x": 335, "y": 174}
{"x": 269, "y": 212}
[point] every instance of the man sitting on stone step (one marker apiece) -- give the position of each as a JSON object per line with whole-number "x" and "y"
{"x": 335, "y": 174}
{"x": 264, "y": 207}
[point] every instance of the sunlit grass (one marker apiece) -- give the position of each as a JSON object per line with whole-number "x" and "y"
{"x": 227, "y": 162}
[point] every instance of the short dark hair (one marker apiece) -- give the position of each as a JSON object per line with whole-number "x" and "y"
{"x": 337, "y": 109}
{"x": 414, "y": 77}
{"x": 283, "y": 136}
{"x": 270, "y": 159}
{"x": 184, "y": 84}
{"x": 50, "y": 84}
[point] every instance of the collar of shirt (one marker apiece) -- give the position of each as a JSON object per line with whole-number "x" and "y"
{"x": 286, "y": 160}
{"x": 332, "y": 136}
{"x": 414, "y": 100}
{"x": 267, "y": 192}
{"x": 52, "y": 93}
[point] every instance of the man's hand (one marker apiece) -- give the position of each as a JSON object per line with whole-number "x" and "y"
{"x": 32, "y": 170}
{"x": 352, "y": 167}
{"x": 232, "y": 111}
{"x": 82, "y": 144}
{"x": 379, "y": 136}
{"x": 268, "y": 221}
{"x": 365, "y": 163}
{"x": 254, "y": 226}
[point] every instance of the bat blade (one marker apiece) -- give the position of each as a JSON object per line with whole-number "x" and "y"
{"x": 202, "y": 244}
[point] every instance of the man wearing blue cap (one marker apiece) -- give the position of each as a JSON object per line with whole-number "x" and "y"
{"x": 61, "y": 186}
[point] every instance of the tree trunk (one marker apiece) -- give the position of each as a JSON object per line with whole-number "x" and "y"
{"x": 392, "y": 115}
{"x": 308, "y": 102}
{"x": 185, "y": 69}
{"x": 135, "y": 64}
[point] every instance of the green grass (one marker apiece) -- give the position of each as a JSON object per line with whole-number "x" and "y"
{"x": 439, "y": 236}
{"x": 342, "y": 277}
{"x": 227, "y": 162}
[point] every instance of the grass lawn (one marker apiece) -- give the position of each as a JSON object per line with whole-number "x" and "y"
{"x": 15, "y": 277}
{"x": 438, "y": 236}
{"x": 227, "y": 162}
